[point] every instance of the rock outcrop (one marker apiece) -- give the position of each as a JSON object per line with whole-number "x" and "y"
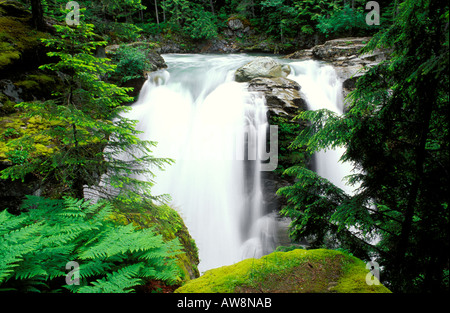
{"x": 282, "y": 94}
{"x": 300, "y": 55}
{"x": 284, "y": 101}
{"x": 168, "y": 223}
{"x": 261, "y": 67}
{"x": 331, "y": 50}
{"x": 238, "y": 27}
{"x": 345, "y": 56}
{"x": 268, "y": 76}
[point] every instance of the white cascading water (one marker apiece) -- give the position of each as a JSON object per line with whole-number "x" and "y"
{"x": 322, "y": 89}
{"x": 199, "y": 116}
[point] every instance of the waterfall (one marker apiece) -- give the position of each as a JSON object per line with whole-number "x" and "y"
{"x": 322, "y": 89}
{"x": 207, "y": 123}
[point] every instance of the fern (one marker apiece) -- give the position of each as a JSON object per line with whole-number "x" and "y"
{"x": 36, "y": 246}
{"x": 120, "y": 281}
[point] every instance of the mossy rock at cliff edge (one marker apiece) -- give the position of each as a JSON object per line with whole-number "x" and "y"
{"x": 18, "y": 39}
{"x": 299, "y": 271}
{"x": 167, "y": 222}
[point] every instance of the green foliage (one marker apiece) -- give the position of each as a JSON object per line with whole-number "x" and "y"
{"x": 345, "y": 21}
{"x": 309, "y": 11}
{"x": 127, "y": 32}
{"x": 119, "y": 10}
{"x": 131, "y": 61}
{"x": 396, "y": 133}
{"x": 36, "y": 246}
{"x": 322, "y": 212}
{"x": 10, "y": 133}
{"x": 167, "y": 222}
{"x": 201, "y": 25}
{"x": 287, "y": 132}
{"x": 279, "y": 18}
{"x": 177, "y": 9}
{"x": 152, "y": 29}
{"x": 18, "y": 156}
{"x": 95, "y": 145}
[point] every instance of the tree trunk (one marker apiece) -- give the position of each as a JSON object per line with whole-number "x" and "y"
{"x": 164, "y": 11}
{"x": 212, "y": 6}
{"x": 156, "y": 12}
{"x": 426, "y": 97}
{"x": 37, "y": 15}
{"x": 253, "y": 8}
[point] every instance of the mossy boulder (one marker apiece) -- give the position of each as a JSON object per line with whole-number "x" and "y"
{"x": 168, "y": 223}
{"x": 296, "y": 271}
{"x": 17, "y": 126}
{"x": 20, "y": 44}
{"x": 6, "y": 105}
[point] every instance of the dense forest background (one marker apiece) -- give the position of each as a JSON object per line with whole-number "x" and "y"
{"x": 70, "y": 134}
{"x": 286, "y": 23}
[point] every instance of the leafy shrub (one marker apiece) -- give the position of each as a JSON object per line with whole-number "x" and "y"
{"x": 152, "y": 29}
{"x": 287, "y": 132}
{"x": 36, "y": 246}
{"x": 127, "y": 32}
{"x": 201, "y": 25}
{"x": 343, "y": 22}
{"x": 131, "y": 61}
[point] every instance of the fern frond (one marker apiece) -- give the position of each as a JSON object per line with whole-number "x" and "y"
{"x": 94, "y": 267}
{"x": 120, "y": 281}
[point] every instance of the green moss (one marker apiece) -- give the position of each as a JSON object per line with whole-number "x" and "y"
{"x": 168, "y": 223}
{"x": 27, "y": 84}
{"x": 354, "y": 280}
{"x": 6, "y": 105}
{"x": 35, "y": 86}
{"x": 23, "y": 127}
{"x": 7, "y": 55}
{"x": 42, "y": 79}
{"x": 298, "y": 270}
{"x": 17, "y": 37}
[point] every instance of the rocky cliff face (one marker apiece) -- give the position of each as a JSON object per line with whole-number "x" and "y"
{"x": 267, "y": 76}
{"x": 345, "y": 56}
{"x": 284, "y": 101}
{"x": 282, "y": 94}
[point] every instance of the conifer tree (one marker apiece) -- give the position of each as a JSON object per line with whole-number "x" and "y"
{"x": 396, "y": 135}
{"x": 95, "y": 146}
